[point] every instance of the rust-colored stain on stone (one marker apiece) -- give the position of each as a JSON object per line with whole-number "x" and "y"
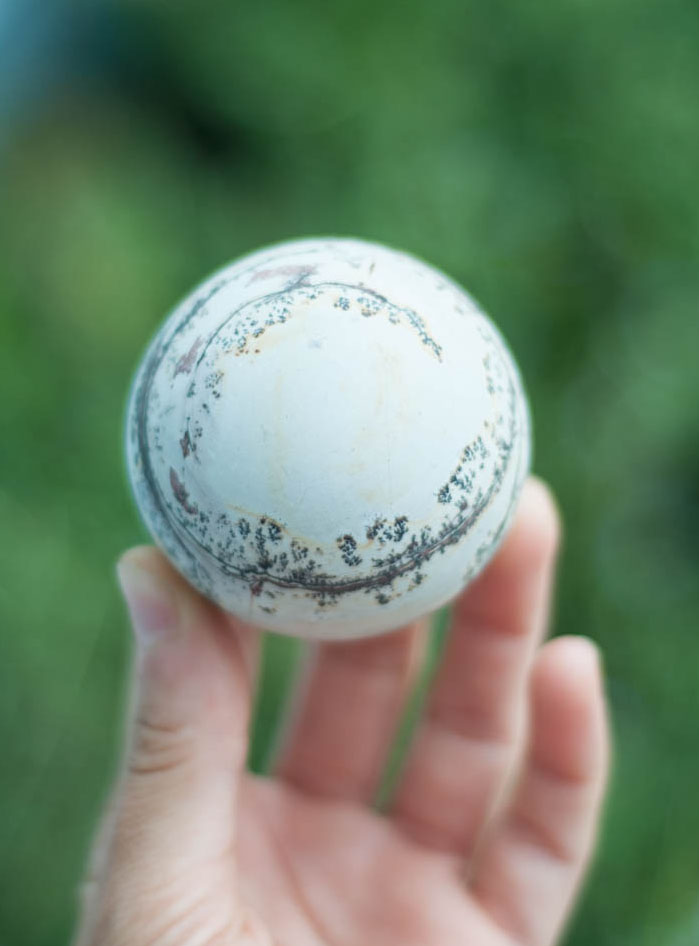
{"x": 180, "y": 493}
{"x": 288, "y": 270}
{"x": 186, "y": 362}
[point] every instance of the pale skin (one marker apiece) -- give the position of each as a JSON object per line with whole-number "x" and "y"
{"x": 488, "y": 834}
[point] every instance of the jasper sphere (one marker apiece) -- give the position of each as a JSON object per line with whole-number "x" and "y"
{"x": 328, "y": 438}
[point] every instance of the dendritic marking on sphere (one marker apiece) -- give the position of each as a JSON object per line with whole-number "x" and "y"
{"x": 241, "y": 329}
{"x": 187, "y": 361}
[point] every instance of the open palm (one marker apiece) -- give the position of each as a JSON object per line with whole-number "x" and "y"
{"x": 484, "y": 842}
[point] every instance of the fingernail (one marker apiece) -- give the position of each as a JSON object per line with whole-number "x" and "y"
{"x": 149, "y": 599}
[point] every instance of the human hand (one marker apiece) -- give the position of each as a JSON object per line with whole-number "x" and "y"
{"x": 195, "y": 851}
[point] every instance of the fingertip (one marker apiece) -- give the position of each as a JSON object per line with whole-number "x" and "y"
{"x": 152, "y": 565}
{"x": 166, "y": 609}
{"x": 572, "y": 649}
{"x": 568, "y": 665}
{"x": 534, "y": 537}
{"x": 153, "y": 561}
{"x": 569, "y": 708}
{"x": 149, "y": 595}
{"x": 539, "y": 517}
{"x": 135, "y": 559}
{"x": 513, "y": 591}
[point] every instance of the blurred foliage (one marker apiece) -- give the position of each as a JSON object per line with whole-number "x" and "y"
{"x": 543, "y": 154}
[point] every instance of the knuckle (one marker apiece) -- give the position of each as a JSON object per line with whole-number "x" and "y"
{"x": 157, "y": 747}
{"x": 484, "y": 725}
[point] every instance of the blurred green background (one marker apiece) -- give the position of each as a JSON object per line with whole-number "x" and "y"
{"x": 544, "y": 154}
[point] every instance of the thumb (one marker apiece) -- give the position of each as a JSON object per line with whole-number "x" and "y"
{"x": 187, "y": 745}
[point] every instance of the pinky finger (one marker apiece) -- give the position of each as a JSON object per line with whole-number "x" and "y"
{"x": 533, "y": 864}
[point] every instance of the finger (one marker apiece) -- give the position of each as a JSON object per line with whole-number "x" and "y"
{"x": 174, "y": 803}
{"x": 468, "y": 739}
{"x": 348, "y": 708}
{"x": 530, "y": 869}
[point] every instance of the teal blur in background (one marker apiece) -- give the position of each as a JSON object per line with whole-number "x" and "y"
{"x": 544, "y": 154}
